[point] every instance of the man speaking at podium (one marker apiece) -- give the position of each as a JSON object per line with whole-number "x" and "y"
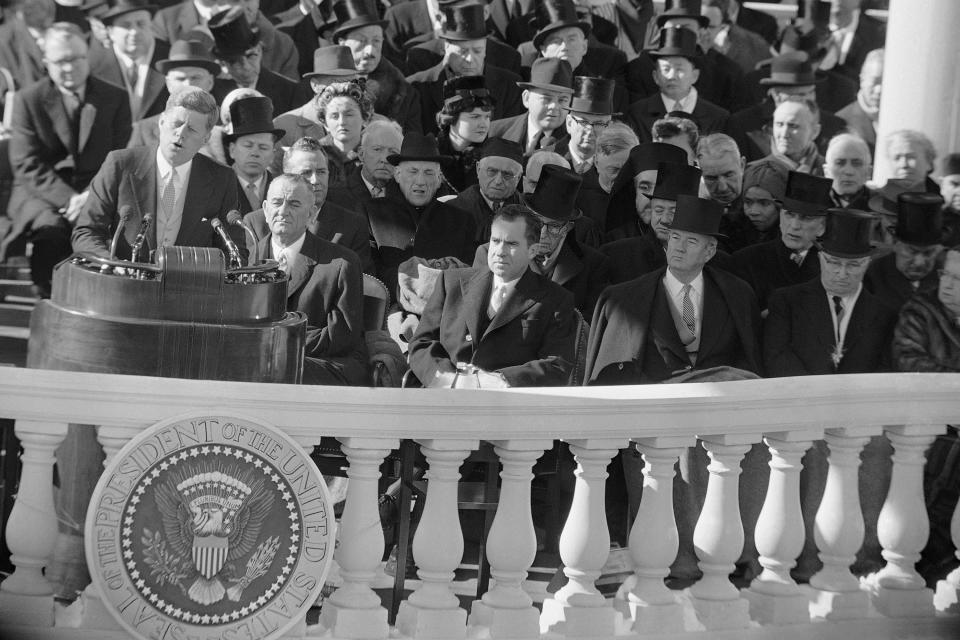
{"x": 181, "y": 190}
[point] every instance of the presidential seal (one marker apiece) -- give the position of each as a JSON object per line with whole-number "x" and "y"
{"x": 210, "y": 527}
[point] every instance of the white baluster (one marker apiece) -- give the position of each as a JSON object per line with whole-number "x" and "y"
{"x": 947, "y": 597}
{"x": 26, "y": 598}
{"x": 433, "y": 610}
{"x": 835, "y": 592}
{"x": 903, "y": 526}
{"x": 578, "y": 609}
{"x": 354, "y": 610}
{"x": 718, "y": 537}
{"x": 773, "y": 595}
{"x": 506, "y": 610}
{"x": 654, "y": 541}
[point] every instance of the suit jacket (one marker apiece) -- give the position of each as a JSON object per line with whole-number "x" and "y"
{"x": 870, "y": 34}
{"x": 20, "y": 54}
{"x": 284, "y": 92}
{"x": 750, "y": 128}
{"x": 128, "y": 178}
{"x": 634, "y": 256}
{"x": 758, "y": 22}
{"x": 334, "y": 224}
{"x": 721, "y": 80}
{"x": 859, "y": 123}
{"x": 767, "y": 266}
{"x": 642, "y": 114}
{"x": 105, "y": 65}
{"x": 885, "y": 281}
{"x": 423, "y": 55}
{"x": 601, "y": 60}
{"x": 326, "y": 285}
{"x": 583, "y": 271}
{"x": 501, "y": 84}
{"x": 746, "y": 48}
{"x": 352, "y": 194}
{"x": 51, "y": 159}
{"x": 798, "y": 336}
{"x": 306, "y": 36}
{"x": 504, "y": 24}
{"x": 531, "y": 340}
{"x": 515, "y": 129}
{"x": 633, "y": 338}
{"x": 471, "y": 201}
{"x": 244, "y": 206}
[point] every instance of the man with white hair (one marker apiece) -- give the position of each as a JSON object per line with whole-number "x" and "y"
{"x": 848, "y": 165}
{"x": 380, "y": 139}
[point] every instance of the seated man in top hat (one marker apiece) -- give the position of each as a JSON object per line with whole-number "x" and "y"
{"x": 546, "y": 97}
{"x": 791, "y": 258}
{"x": 464, "y": 35}
{"x": 515, "y": 325}
{"x": 917, "y": 247}
{"x": 582, "y": 270}
{"x": 684, "y": 316}
{"x": 591, "y": 110}
{"x": 676, "y": 71}
{"x": 849, "y": 164}
{"x": 251, "y": 144}
{"x": 586, "y": 231}
{"x": 498, "y": 175}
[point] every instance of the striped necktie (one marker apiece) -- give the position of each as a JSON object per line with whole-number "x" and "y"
{"x": 688, "y": 315}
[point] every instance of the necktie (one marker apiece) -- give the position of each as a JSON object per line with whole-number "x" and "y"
{"x": 838, "y": 310}
{"x": 688, "y": 315}
{"x": 535, "y": 143}
{"x": 677, "y": 106}
{"x": 496, "y": 300}
{"x": 282, "y": 261}
{"x": 376, "y": 192}
{"x": 71, "y": 103}
{"x": 133, "y": 74}
{"x": 168, "y": 202}
{"x": 253, "y": 195}
{"x": 797, "y": 258}
{"x": 496, "y": 206}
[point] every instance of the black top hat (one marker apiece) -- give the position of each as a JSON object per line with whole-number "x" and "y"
{"x": 592, "y": 95}
{"x": 335, "y": 60}
{"x": 556, "y": 194}
{"x": 188, "y": 53}
{"x": 791, "y": 70}
{"x": 232, "y": 34}
{"x": 644, "y": 157}
{"x": 806, "y": 194}
{"x": 556, "y": 14}
{"x": 885, "y": 200}
{"x": 919, "y": 219}
{"x": 501, "y": 148}
{"x": 551, "y": 74}
{"x": 848, "y": 233}
{"x": 126, "y": 6}
{"x": 253, "y": 114}
{"x": 683, "y": 9}
{"x": 697, "y": 215}
{"x": 463, "y": 22}
{"x": 417, "y": 146}
{"x": 353, "y": 14}
{"x": 677, "y": 42}
{"x": 675, "y": 179}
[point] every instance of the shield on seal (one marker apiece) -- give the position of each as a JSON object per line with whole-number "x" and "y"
{"x": 209, "y": 554}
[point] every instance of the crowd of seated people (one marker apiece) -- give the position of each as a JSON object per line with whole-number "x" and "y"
{"x": 553, "y": 192}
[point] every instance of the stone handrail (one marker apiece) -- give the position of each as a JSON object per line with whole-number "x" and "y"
{"x": 788, "y": 415}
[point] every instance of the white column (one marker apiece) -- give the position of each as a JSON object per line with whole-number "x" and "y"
{"x": 354, "y": 610}
{"x": 506, "y": 610}
{"x": 903, "y": 526}
{"x": 718, "y": 536}
{"x": 26, "y": 598}
{"x": 921, "y": 31}
{"x": 839, "y": 529}
{"x": 578, "y": 609}
{"x": 947, "y": 597}
{"x": 653, "y": 543}
{"x": 773, "y": 595}
{"x": 433, "y": 610}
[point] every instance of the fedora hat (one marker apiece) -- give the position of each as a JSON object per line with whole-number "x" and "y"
{"x": 500, "y": 148}
{"x": 463, "y": 22}
{"x": 123, "y": 7}
{"x": 683, "y": 9}
{"x": 806, "y": 194}
{"x": 556, "y": 194}
{"x": 416, "y": 146}
{"x": 848, "y": 233}
{"x": 550, "y": 74}
{"x": 353, "y": 14}
{"x": 188, "y": 53}
{"x": 886, "y": 199}
{"x": 919, "y": 219}
{"x": 551, "y": 15}
{"x": 253, "y": 114}
{"x": 592, "y": 95}
{"x": 791, "y": 70}
{"x": 677, "y": 42}
{"x": 697, "y": 215}
{"x": 232, "y": 34}
{"x": 335, "y": 60}
{"x": 674, "y": 179}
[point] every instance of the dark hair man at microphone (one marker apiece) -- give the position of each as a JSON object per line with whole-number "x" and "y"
{"x": 181, "y": 189}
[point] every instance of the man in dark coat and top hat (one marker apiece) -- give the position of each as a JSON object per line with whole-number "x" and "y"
{"x": 417, "y": 224}
{"x": 581, "y": 270}
{"x": 917, "y": 247}
{"x": 464, "y": 36}
{"x": 546, "y": 97}
{"x": 498, "y": 175}
{"x": 238, "y": 47}
{"x": 591, "y": 110}
{"x": 251, "y": 145}
{"x": 677, "y": 69}
{"x": 792, "y": 257}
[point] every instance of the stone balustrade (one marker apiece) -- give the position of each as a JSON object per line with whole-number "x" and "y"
{"x": 789, "y": 416}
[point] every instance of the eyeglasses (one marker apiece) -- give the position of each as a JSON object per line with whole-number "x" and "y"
{"x": 552, "y": 227}
{"x": 508, "y": 176}
{"x": 593, "y": 124}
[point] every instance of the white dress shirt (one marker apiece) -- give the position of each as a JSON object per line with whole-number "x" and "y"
{"x": 848, "y": 303}
{"x": 687, "y": 103}
{"x": 499, "y": 293}
{"x": 289, "y": 253}
{"x": 168, "y": 222}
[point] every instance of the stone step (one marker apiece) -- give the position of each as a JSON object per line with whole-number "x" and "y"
{"x": 14, "y": 315}
{"x": 11, "y": 288}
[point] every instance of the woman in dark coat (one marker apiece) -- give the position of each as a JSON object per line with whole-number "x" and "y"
{"x": 464, "y": 122}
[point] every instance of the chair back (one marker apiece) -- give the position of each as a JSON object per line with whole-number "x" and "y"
{"x": 580, "y": 351}
{"x": 376, "y": 299}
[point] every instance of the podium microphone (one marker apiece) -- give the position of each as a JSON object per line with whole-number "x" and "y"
{"x": 141, "y": 235}
{"x": 231, "y": 245}
{"x": 125, "y": 214}
{"x": 234, "y": 218}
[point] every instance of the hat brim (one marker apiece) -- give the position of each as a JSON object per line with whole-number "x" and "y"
{"x": 804, "y": 208}
{"x": 277, "y": 134}
{"x": 113, "y": 14}
{"x": 877, "y": 204}
{"x": 767, "y": 82}
{"x": 545, "y": 87}
{"x": 397, "y": 158}
{"x": 656, "y": 54}
{"x": 844, "y": 254}
{"x": 163, "y": 66}
{"x": 539, "y": 37}
{"x": 525, "y": 200}
{"x": 698, "y": 231}
{"x": 612, "y": 114}
{"x": 703, "y": 21}
{"x": 347, "y": 27}
{"x": 462, "y": 37}
{"x": 336, "y": 73}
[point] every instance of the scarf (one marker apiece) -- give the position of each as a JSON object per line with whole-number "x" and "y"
{"x": 808, "y": 162}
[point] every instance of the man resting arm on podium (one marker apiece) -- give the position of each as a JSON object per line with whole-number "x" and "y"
{"x": 516, "y": 326}
{"x": 182, "y": 189}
